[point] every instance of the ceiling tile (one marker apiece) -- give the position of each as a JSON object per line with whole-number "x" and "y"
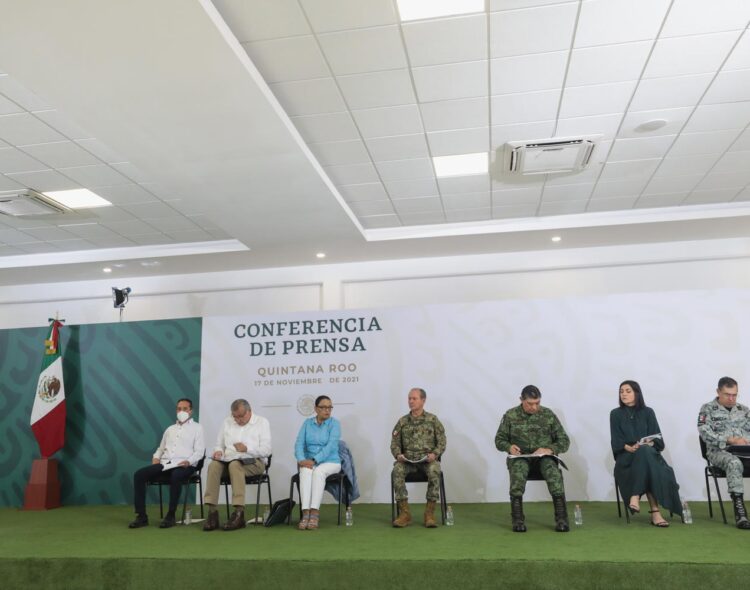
{"x": 742, "y": 143}
{"x": 13, "y": 160}
{"x": 129, "y": 228}
{"x": 607, "y": 63}
{"x": 465, "y": 215}
{"x": 25, "y": 129}
{"x": 602, "y": 99}
{"x": 526, "y": 73}
{"x": 448, "y": 40}
{"x": 336, "y": 153}
{"x": 8, "y": 184}
{"x": 562, "y": 208}
{"x": 467, "y": 201}
{"x": 309, "y": 97}
{"x": 709, "y": 142}
{"x": 8, "y": 107}
{"x": 146, "y": 211}
{"x": 195, "y": 235}
{"x": 641, "y": 148}
{"x": 108, "y": 214}
{"x": 618, "y": 21}
{"x": 352, "y": 173}
{"x": 527, "y": 107}
{"x": 291, "y": 58}
{"x": 101, "y": 151}
{"x": 618, "y": 188}
{"x": 328, "y": 127}
{"x": 663, "y": 200}
{"x": 455, "y": 114}
{"x": 337, "y": 15}
{"x": 567, "y": 192}
{"x": 696, "y": 54}
{"x": 501, "y": 182}
{"x": 685, "y": 165}
{"x": 605, "y": 125}
{"x": 378, "y": 89}
{"x": 49, "y": 233}
{"x": 61, "y": 154}
{"x": 672, "y": 184}
{"x": 93, "y": 176}
{"x": 464, "y": 184}
{"x": 496, "y": 5}
{"x": 364, "y": 208}
{"x": 733, "y": 162}
{"x": 378, "y": 221}
{"x": 405, "y": 169}
{"x": 364, "y": 50}
{"x": 382, "y": 122}
{"x": 675, "y": 119}
{"x": 62, "y": 124}
{"x": 398, "y": 147}
{"x": 451, "y": 81}
{"x": 722, "y": 181}
{"x": 130, "y": 171}
{"x": 513, "y": 211}
{"x": 419, "y": 205}
{"x": 404, "y": 189}
{"x": 705, "y": 197}
{"x": 729, "y": 87}
{"x": 629, "y": 170}
{"x": 518, "y": 196}
{"x": 460, "y": 141}
{"x": 172, "y": 224}
{"x": 263, "y": 19}
{"x": 533, "y": 30}
{"x": 589, "y": 174}
{"x": 501, "y": 134}
{"x": 744, "y": 195}
{"x": 44, "y": 180}
{"x": 739, "y": 59}
{"x": 716, "y": 117}
{"x": 667, "y": 93}
{"x": 371, "y": 191}
{"x": 690, "y": 17}
{"x": 122, "y": 194}
{"x": 151, "y": 239}
{"x": 89, "y": 231}
{"x": 11, "y": 237}
{"x": 21, "y": 95}
{"x": 35, "y": 248}
{"x": 613, "y": 204}
{"x": 422, "y": 218}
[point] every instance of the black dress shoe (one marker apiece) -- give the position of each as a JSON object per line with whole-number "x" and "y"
{"x": 140, "y": 521}
{"x": 168, "y": 522}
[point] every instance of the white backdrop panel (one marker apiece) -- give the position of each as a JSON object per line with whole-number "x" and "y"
{"x": 473, "y": 359}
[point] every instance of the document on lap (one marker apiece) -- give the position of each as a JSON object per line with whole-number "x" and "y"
{"x": 533, "y": 456}
{"x": 647, "y": 439}
{"x": 422, "y": 460}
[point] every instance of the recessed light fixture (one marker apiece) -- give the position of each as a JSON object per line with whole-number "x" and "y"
{"x": 651, "y": 125}
{"x": 320, "y": 255}
{"x": 556, "y": 238}
{"x": 461, "y": 165}
{"x": 150, "y": 263}
{"x": 79, "y": 198}
{"x": 421, "y": 9}
{"x": 106, "y": 269}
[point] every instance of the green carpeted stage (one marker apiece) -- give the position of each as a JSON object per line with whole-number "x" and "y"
{"x": 91, "y": 547}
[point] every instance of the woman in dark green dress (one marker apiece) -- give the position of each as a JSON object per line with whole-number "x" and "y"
{"x": 639, "y": 467}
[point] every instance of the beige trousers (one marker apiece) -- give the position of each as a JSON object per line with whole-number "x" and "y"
{"x": 237, "y": 472}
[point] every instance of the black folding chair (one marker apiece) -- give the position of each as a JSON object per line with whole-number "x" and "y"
{"x": 421, "y": 477}
{"x": 339, "y": 477}
{"x": 258, "y": 480}
{"x": 163, "y": 480}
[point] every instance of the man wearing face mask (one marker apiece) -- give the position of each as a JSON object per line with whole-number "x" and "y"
{"x": 180, "y": 450}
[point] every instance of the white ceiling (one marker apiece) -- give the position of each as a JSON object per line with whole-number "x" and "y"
{"x": 298, "y": 126}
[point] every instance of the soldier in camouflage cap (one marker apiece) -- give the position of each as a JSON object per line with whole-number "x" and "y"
{"x": 531, "y": 429}
{"x": 722, "y": 423}
{"x": 417, "y": 442}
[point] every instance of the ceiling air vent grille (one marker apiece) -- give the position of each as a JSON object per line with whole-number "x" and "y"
{"x": 549, "y": 156}
{"x": 29, "y": 203}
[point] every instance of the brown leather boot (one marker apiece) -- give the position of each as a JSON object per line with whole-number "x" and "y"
{"x": 236, "y": 521}
{"x": 404, "y": 515}
{"x": 429, "y": 515}
{"x": 212, "y": 522}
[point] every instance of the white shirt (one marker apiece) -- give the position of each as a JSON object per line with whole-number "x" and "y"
{"x": 255, "y": 435}
{"x": 182, "y": 442}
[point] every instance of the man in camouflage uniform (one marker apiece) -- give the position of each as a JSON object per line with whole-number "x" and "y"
{"x": 721, "y": 423}
{"x": 420, "y": 437}
{"x": 530, "y": 429}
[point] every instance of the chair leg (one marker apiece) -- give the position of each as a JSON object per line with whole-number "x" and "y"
{"x": 617, "y": 495}
{"x": 721, "y": 502}
{"x": 161, "y": 504}
{"x": 186, "y": 485}
{"x": 341, "y": 493}
{"x": 226, "y": 497}
{"x": 393, "y": 503}
{"x": 708, "y": 493}
{"x": 270, "y": 502}
{"x": 200, "y": 491}
{"x": 443, "y": 499}
{"x": 257, "y": 503}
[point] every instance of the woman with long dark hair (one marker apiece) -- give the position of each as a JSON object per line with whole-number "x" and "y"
{"x": 639, "y": 466}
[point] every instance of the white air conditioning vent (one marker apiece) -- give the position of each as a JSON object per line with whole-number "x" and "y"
{"x": 29, "y": 202}
{"x": 549, "y": 156}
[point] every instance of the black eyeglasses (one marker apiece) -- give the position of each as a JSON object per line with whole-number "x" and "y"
{"x": 325, "y": 407}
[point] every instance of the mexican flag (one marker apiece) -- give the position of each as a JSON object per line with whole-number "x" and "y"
{"x": 48, "y": 414}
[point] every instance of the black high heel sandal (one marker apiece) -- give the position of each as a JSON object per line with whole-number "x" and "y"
{"x": 662, "y": 525}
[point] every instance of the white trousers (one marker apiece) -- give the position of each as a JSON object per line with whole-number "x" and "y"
{"x": 312, "y": 483}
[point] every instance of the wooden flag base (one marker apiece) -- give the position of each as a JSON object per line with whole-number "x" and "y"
{"x": 43, "y": 489}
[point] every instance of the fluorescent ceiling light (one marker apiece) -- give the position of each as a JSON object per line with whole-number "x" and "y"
{"x": 461, "y": 165}
{"x": 421, "y": 9}
{"x": 80, "y": 198}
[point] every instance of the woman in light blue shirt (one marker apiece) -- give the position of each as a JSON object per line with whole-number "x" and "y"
{"x": 317, "y": 454}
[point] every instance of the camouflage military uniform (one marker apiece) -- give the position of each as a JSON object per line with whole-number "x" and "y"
{"x": 715, "y": 425}
{"x": 414, "y": 438}
{"x": 531, "y": 432}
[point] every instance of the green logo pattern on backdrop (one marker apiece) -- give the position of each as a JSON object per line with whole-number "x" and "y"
{"x": 122, "y": 382}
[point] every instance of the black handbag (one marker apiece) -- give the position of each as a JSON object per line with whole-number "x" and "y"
{"x": 280, "y": 512}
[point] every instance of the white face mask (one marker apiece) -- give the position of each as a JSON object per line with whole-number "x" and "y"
{"x": 183, "y": 416}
